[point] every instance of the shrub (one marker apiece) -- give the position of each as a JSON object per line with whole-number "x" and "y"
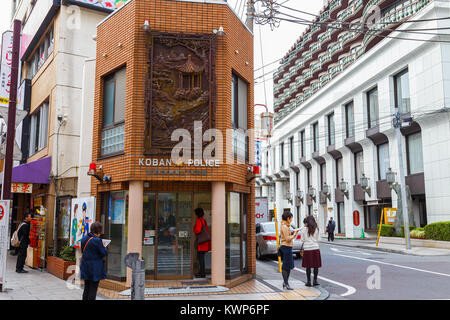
{"x": 386, "y": 230}
{"x": 402, "y": 233}
{"x": 67, "y": 254}
{"x": 418, "y": 234}
{"x": 438, "y": 231}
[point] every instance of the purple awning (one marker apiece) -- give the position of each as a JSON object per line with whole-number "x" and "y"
{"x": 33, "y": 172}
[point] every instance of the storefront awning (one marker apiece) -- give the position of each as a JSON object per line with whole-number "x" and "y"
{"x": 33, "y": 172}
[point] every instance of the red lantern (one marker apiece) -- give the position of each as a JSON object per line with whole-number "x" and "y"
{"x": 256, "y": 169}
{"x": 92, "y": 168}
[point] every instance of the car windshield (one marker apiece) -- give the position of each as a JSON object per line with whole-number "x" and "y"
{"x": 269, "y": 227}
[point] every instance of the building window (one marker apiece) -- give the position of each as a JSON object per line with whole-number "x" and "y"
{"x": 239, "y": 112}
{"x": 401, "y": 91}
{"x": 339, "y": 171}
{"x": 113, "y": 133}
{"x": 331, "y": 136}
{"x": 302, "y": 143}
{"x": 359, "y": 166}
{"x": 43, "y": 51}
{"x": 414, "y": 153}
{"x": 267, "y": 160}
{"x": 383, "y": 160}
{"x": 323, "y": 174}
{"x": 372, "y": 108}
{"x": 274, "y": 154}
{"x": 315, "y": 130}
{"x": 291, "y": 149}
{"x": 39, "y": 129}
{"x": 282, "y": 154}
{"x": 349, "y": 120}
{"x": 309, "y": 177}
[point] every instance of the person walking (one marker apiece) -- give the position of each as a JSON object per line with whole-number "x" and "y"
{"x": 330, "y": 229}
{"x": 311, "y": 251}
{"x": 287, "y": 237}
{"x": 203, "y": 241}
{"x": 24, "y": 237}
{"x": 92, "y": 266}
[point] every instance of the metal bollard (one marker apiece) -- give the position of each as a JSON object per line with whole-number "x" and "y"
{"x": 137, "y": 276}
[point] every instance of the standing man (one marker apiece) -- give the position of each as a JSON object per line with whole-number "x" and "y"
{"x": 330, "y": 229}
{"x": 24, "y": 238}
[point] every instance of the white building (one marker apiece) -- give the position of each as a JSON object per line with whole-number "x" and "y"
{"x": 334, "y": 118}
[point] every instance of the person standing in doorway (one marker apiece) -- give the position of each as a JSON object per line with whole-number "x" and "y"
{"x": 203, "y": 241}
{"x": 330, "y": 229}
{"x": 24, "y": 238}
{"x": 92, "y": 266}
{"x": 311, "y": 251}
{"x": 287, "y": 237}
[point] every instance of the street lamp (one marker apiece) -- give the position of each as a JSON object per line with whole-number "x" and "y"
{"x": 289, "y": 197}
{"x": 326, "y": 191}
{"x": 300, "y": 195}
{"x": 219, "y": 32}
{"x": 312, "y": 193}
{"x": 390, "y": 177}
{"x": 365, "y": 184}
{"x": 343, "y": 187}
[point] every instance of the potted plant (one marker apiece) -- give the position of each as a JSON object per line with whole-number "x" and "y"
{"x": 58, "y": 266}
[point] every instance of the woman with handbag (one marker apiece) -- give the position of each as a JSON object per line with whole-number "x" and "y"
{"x": 92, "y": 267}
{"x": 311, "y": 252}
{"x": 203, "y": 241}
{"x": 287, "y": 237}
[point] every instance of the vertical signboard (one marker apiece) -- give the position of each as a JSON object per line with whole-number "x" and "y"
{"x": 5, "y": 68}
{"x": 261, "y": 210}
{"x": 4, "y": 238}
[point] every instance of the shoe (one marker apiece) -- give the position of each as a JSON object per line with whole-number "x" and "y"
{"x": 286, "y": 286}
{"x": 21, "y": 271}
{"x": 315, "y": 283}
{"x": 308, "y": 284}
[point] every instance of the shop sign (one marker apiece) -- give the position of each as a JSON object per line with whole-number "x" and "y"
{"x": 4, "y": 238}
{"x": 82, "y": 215}
{"x": 5, "y": 67}
{"x": 389, "y": 215}
{"x": 356, "y": 218}
{"x": 37, "y": 202}
{"x": 22, "y": 188}
{"x": 261, "y": 210}
{"x": 101, "y": 4}
{"x": 155, "y": 162}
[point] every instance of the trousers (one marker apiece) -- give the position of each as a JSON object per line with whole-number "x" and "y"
{"x": 21, "y": 257}
{"x": 90, "y": 290}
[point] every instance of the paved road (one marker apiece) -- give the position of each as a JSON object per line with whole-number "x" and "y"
{"x": 346, "y": 272}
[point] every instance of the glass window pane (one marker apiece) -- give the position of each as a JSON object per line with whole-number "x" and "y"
{"x": 359, "y": 166}
{"x": 149, "y": 232}
{"x": 415, "y": 156}
{"x": 372, "y": 106}
{"x": 402, "y": 92}
{"x": 233, "y": 101}
{"x": 383, "y": 160}
{"x": 117, "y": 249}
{"x": 242, "y": 97}
{"x": 167, "y": 257}
{"x": 233, "y": 241}
{"x": 331, "y": 135}
{"x": 120, "y": 92}
{"x": 350, "y": 121}
{"x": 108, "y": 102}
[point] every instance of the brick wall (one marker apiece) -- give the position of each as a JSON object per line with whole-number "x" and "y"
{"x": 234, "y": 54}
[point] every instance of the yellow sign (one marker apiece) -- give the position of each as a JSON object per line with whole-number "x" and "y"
{"x": 4, "y": 100}
{"x": 37, "y": 202}
{"x": 389, "y": 215}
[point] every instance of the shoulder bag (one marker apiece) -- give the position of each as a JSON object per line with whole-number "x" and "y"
{"x": 203, "y": 236}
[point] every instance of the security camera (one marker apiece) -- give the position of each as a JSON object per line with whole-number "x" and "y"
{"x": 60, "y": 117}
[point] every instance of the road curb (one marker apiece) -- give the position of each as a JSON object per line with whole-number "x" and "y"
{"x": 323, "y": 295}
{"x": 383, "y": 250}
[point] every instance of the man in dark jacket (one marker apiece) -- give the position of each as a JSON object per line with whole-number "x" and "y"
{"x": 24, "y": 238}
{"x": 330, "y": 229}
{"x": 92, "y": 267}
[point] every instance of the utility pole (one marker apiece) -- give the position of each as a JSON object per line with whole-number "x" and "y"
{"x": 398, "y": 126}
{"x": 250, "y": 14}
{"x": 11, "y": 124}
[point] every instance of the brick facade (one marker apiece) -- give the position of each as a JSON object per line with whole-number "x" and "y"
{"x": 121, "y": 41}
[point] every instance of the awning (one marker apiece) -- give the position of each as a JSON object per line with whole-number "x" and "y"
{"x": 34, "y": 172}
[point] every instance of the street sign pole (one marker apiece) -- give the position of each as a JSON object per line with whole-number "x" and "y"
{"x": 11, "y": 124}
{"x": 276, "y": 233}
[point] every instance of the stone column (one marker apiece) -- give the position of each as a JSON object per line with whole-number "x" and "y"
{"x": 135, "y": 221}
{"x": 218, "y": 215}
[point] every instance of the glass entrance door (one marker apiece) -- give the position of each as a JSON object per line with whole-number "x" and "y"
{"x": 167, "y": 235}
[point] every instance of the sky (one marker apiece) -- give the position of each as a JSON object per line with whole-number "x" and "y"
{"x": 275, "y": 44}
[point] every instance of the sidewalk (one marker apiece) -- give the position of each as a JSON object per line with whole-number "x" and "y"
{"x": 389, "y": 247}
{"x": 40, "y": 285}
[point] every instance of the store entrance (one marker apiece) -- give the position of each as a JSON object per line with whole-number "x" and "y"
{"x": 167, "y": 236}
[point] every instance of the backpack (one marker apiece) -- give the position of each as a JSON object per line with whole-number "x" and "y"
{"x": 15, "y": 242}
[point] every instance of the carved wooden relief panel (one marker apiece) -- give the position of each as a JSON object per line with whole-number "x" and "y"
{"x": 180, "y": 87}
